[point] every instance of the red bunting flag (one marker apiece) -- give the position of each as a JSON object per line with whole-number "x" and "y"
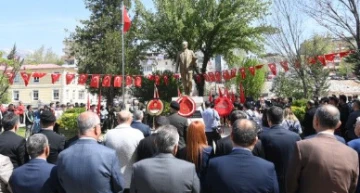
{"x": 226, "y": 75}
{"x": 259, "y": 66}
{"x": 252, "y": 70}
{"x": 206, "y": 77}
{"x": 138, "y": 81}
{"x": 198, "y": 78}
{"x": 242, "y": 94}
{"x": 285, "y": 65}
{"x": 82, "y": 79}
{"x": 118, "y": 81}
{"x": 176, "y": 76}
{"x": 311, "y": 60}
{"x": 217, "y": 76}
{"x": 233, "y": 73}
{"x": 106, "y": 81}
{"x": 242, "y": 73}
{"x": 129, "y": 80}
{"x": 330, "y": 57}
{"x": 55, "y": 77}
{"x": 69, "y": 78}
{"x": 212, "y": 76}
{"x": 157, "y": 80}
{"x": 10, "y": 77}
{"x": 344, "y": 54}
{"x": 38, "y": 74}
{"x": 272, "y": 67}
{"x": 166, "y": 80}
{"x": 95, "y": 81}
{"x": 26, "y": 77}
{"x": 322, "y": 60}
{"x": 127, "y": 21}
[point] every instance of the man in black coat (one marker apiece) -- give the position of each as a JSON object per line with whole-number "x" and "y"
{"x": 344, "y": 114}
{"x": 181, "y": 123}
{"x": 307, "y": 123}
{"x": 11, "y": 144}
{"x": 350, "y": 124}
{"x": 278, "y": 144}
{"x": 56, "y": 141}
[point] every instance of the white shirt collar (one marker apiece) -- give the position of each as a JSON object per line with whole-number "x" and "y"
{"x": 85, "y": 138}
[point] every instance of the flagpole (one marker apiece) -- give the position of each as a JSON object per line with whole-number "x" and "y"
{"x": 122, "y": 50}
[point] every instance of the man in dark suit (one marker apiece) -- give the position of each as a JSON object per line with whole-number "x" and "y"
{"x": 308, "y": 128}
{"x": 248, "y": 173}
{"x": 322, "y": 163}
{"x": 34, "y": 176}
{"x": 164, "y": 172}
{"x": 224, "y": 146}
{"x": 12, "y": 145}
{"x": 350, "y": 124}
{"x": 278, "y": 144}
{"x": 181, "y": 123}
{"x": 137, "y": 123}
{"x": 344, "y": 114}
{"x": 57, "y": 142}
{"x": 86, "y": 166}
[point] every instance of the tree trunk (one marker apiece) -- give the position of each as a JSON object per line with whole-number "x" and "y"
{"x": 201, "y": 85}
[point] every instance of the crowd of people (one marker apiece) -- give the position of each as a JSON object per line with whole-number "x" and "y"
{"x": 269, "y": 150}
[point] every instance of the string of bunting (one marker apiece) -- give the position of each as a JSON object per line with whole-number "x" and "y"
{"x": 106, "y": 80}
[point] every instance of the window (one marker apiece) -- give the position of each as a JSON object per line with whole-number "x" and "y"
{"x": 81, "y": 95}
{"x": 35, "y": 95}
{"x": 36, "y": 79}
{"x": 73, "y": 95}
{"x": 17, "y": 78}
{"x": 56, "y": 94}
{"x": 16, "y": 95}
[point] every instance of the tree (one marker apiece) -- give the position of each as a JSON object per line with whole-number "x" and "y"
{"x": 44, "y": 56}
{"x": 10, "y": 64}
{"x": 210, "y": 26}
{"x": 285, "y": 86}
{"x": 97, "y": 42}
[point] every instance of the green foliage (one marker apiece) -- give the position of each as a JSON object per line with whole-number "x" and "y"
{"x": 166, "y": 92}
{"x": 97, "y": 42}
{"x": 210, "y": 26}
{"x": 299, "y": 103}
{"x": 167, "y": 108}
{"x": 299, "y": 112}
{"x": 354, "y": 59}
{"x": 5, "y": 99}
{"x": 44, "y": 56}
{"x": 68, "y": 122}
{"x": 285, "y": 86}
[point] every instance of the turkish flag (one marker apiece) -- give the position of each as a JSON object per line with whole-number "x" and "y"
{"x": 127, "y": 21}
{"x": 151, "y": 77}
{"x": 272, "y": 67}
{"x": 233, "y": 73}
{"x": 138, "y": 81}
{"x": 242, "y": 94}
{"x": 38, "y": 74}
{"x": 217, "y": 76}
{"x": 157, "y": 80}
{"x": 118, "y": 81}
{"x": 82, "y": 79}
{"x": 211, "y": 76}
{"x": 259, "y": 66}
{"x": 226, "y": 75}
{"x": 176, "y": 76}
{"x": 322, "y": 60}
{"x": 26, "y": 77}
{"x": 69, "y": 78}
{"x": 166, "y": 80}
{"x": 344, "y": 54}
{"x": 311, "y": 60}
{"x": 242, "y": 72}
{"x": 285, "y": 65}
{"x": 330, "y": 57}
{"x": 252, "y": 70}
{"x": 95, "y": 81}
{"x": 55, "y": 77}
{"x": 198, "y": 78}
{"x": 129, "y": 80}
{"x": 106, "y": 81}
{"x": 206, "y": 78}
{"x": 11, "y": 77}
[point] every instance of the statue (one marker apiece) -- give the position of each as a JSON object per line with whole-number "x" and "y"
{"x": 187, "y": 61}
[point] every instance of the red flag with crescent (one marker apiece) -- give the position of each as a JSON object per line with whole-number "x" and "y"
{"x": 330, "y": 57}
{"x": 157, "y": 80}
{"x": 38, "y": 74}
{"x": 106, "y": 81}
{"x": 226, "y": 75}
{"x": 10, "y": 76}
{"x": 322, "y": 60}
{"x": 285, "y": 65}
{"x": 242, "y": 72}
{"x": 129, "y": 80}
{"x": 217, "y": 76}
{"x": 82, "y": 79}
{"x": 95, "y": 81}
{"x": 212, "y": 76}
{"x": 138, "y": 81}
{"x": 252, "y": 70}
{"x": 206, "y": 78}
{"x": 166, "y": 80}
{"x": 69, "y": 78}
{"x": 55, "y": 77}
{"x": 26, "y": 77}
{"x": 118, "y": 81}
{"x": 272, "y": 67}
{"x": 233, "y": 73}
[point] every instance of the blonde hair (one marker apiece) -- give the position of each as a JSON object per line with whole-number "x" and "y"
{"x": 289, "y": 115}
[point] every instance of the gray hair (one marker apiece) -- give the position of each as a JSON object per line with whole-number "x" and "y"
{"x": 138, "y": 115}
{"x": 35, "y": 145}
{"x": 86, "y": 121}
{"x": 167, "y": 138}
{"x": 328, "y": 116}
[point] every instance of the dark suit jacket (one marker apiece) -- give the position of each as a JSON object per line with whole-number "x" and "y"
{"x": 307, "y": 123}
{"x": 350, "y": 125}
{"x": 278, "y": 144}
{"x": 224, "y": 146}
{"x": 146, "y": 148}
{"x": 87, "y": 167}
{"x": 34, "y": 177}
{"x": 240, "y": 171}
{"x": 322, "y": 164}
{"x": 13, "y": 146}
{"x": 355, "y": 144}
{"x": 57, "y": 144}
{"x": 344, "y": 115}
{"x": 145, "y": 129}
{"x": 181, "y": 124}
{"x": 164, "y": 173}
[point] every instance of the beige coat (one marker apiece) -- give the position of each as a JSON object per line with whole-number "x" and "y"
{"x": 6, "y": 169}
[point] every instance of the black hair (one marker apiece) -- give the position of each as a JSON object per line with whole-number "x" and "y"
{"x": 9, "y": 121}
{"x": 275, "y": 115}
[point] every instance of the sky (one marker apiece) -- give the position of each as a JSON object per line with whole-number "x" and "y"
{"x": 33, "y": 23}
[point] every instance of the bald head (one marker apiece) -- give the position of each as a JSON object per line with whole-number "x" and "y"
{"x": 326, "y": 117}
{"x": 86, "y": 121}
{"x": 244, "y": 133}
{"x": 124, "y": 117}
